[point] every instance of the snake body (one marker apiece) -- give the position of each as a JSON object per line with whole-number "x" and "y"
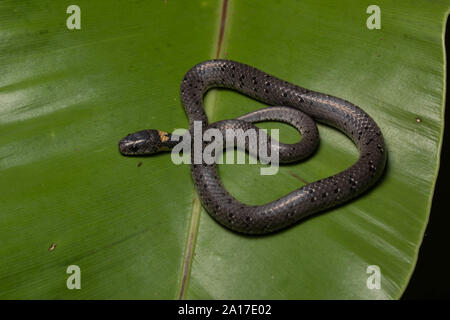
{"x": 292, "y": 104}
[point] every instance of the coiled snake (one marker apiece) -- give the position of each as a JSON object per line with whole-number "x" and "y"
{"x": 291, "y": 104}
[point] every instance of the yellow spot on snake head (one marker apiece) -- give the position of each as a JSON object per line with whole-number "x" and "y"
{"x": 164, "y": 136}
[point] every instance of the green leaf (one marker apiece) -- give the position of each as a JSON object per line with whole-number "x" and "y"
{"x": 135, "y": 226}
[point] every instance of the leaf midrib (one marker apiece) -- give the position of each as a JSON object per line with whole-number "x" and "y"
{"x": 196, "y": 204}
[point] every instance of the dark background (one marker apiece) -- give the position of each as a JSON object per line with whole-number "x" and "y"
{"x": 431, "y": 279}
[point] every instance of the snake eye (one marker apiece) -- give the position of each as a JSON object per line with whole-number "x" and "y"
{"x": 133, "y": 148}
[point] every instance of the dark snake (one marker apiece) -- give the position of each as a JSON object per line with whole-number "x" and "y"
{"x": 290, "y": 104}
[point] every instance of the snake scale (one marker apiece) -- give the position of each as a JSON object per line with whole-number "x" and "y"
{"x": 291, "y": 104}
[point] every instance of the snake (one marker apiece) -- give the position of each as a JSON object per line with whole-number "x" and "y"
{"x": 289, "y": 103}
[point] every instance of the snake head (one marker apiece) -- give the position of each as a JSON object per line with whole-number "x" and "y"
{"x": 144, "y": 142}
